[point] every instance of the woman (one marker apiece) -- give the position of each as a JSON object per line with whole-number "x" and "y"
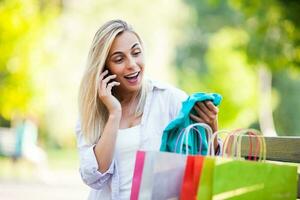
{"x": 120, "y": 112}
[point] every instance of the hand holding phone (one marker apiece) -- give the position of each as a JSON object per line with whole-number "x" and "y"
{"x": 106, "y": 83}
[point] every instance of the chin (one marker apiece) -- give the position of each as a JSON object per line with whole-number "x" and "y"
{"x": 134, "y": 88}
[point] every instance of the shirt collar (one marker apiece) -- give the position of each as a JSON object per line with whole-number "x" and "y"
{"x": 154, "y": 84}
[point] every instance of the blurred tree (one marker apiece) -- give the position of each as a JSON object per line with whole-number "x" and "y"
{"x": 264, "y": 34}
{"x": 21, "y": 23}
{"x": 211, "y": 56}
{"x": 274, "y": 34}
{"x": 286, "y": 115}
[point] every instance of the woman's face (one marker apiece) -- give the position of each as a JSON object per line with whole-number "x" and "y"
{"x": 125, "y": 59}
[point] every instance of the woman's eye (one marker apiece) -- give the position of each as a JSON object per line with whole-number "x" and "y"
{"x": 136, "y": 53}
{"x": 118, "y": 60}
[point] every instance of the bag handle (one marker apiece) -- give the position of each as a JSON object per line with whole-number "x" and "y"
{"x": 229, "y": 138}
{"x": 180, "y": 135}
{"x": 187, "y": 130}
{"x": 257, "y": 145}
{"x": 235, "y": 140}
{"x": 211, "y": 146}
{"x": 260, "y": 145}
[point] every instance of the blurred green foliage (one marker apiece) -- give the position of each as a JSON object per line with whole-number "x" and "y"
{"x": 287, "y": 113}
{"x": 21, "y": 24}
{"x": 273, "y": 31}
{"x": 225, "y": 44}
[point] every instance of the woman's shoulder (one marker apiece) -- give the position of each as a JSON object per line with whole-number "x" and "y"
{"x": 164, "y": 88}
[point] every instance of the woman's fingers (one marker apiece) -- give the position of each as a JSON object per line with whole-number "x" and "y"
{"x": 211, "y": 107}
{"x": 206, "y": 111}
{"x": 196, "y": 118}
{"x": 103, "y": 74}
{"x": 112, "y": 84}
{"x": 203, "y": 107}
{"x": 105, "y": 80}
{"x": 105, "y": 85}
{"x": 101, "y": 77}
{"x": 201, "y": 113}
{"x": 108, "y": 78}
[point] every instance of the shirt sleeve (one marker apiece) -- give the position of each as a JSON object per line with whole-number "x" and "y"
{"x": 177, "y": 96}
{"x": 89, "y": 165}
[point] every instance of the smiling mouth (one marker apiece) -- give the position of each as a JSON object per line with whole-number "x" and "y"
{"x": 132, "y": 76}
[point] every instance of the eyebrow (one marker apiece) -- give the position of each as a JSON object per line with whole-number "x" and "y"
{"x": 117, "y": 52}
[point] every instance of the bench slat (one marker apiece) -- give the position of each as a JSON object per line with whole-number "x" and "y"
{"x": 285, "y": 149}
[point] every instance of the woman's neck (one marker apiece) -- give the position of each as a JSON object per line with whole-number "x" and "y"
{"x": 126, "y": 98}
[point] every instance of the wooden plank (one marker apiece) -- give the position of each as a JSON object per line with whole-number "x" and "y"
{"x": 285, "y": 149}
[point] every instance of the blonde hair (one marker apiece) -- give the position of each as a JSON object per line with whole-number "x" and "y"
{"x": 93, "y": 113}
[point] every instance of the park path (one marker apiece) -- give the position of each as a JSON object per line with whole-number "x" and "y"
{"x": 60, "y": 185}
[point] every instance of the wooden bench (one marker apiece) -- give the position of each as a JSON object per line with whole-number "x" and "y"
{"x": 20, "y": 144}
{"x": 281, "y": 149}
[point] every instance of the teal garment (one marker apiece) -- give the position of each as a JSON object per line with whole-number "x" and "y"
{"x": 20, "y": 129}
{"x": 171, "y": 138}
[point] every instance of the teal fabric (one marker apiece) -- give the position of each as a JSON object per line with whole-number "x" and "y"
{"x": 171, "y": 138}
{"x": 20, "y": 129}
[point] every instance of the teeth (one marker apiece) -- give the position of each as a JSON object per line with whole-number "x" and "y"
{"x": 132, "y": 75}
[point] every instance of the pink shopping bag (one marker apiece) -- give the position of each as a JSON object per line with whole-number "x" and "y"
{"x": 157, "y": 175}
{"x": 137, "y": 175}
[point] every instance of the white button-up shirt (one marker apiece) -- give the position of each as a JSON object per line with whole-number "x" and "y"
{"x": 163, "y": 103}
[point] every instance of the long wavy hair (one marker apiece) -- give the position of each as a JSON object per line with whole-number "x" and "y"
{"x": 93, "y": 113}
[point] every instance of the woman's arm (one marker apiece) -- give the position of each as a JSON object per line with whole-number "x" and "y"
{"x": 96, "y": 161}
{"x": 104, "y": 149}
{"x": 89, "y": 167}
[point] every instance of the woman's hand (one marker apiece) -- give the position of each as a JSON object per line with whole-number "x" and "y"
{"x": 104, "y": 92}
{"x": 207, "y": 113}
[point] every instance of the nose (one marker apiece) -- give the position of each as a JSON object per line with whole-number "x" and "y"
{"x": 132, "y": 63}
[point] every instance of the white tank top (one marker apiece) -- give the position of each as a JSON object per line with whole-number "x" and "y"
{"x": 127, "y": 144}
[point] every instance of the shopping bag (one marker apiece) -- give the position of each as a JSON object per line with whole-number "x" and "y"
{"x": 237, "y": 179}
{"x": 192, "y": 174}
{"x": 195, "y": 164}
{"x": 248, "y": 180}
{"x": 157, "y": 175}
{"x": 223, "y": 178}
{"x": 137, "y": 174}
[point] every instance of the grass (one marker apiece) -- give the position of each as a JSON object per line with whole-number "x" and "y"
{"x": 63, "y": 159}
